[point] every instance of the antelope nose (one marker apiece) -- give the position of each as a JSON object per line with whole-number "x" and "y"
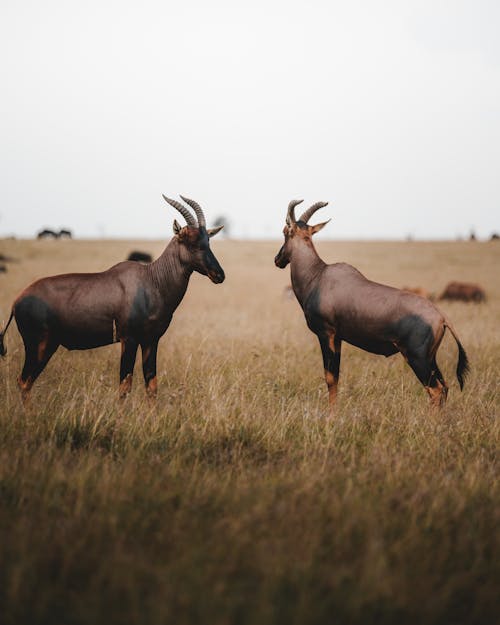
{"x": 217, "y": 276}
{"x": 278, "y": 260}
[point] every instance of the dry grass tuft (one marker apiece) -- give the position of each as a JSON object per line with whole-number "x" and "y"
{"x": 233, "y": 500}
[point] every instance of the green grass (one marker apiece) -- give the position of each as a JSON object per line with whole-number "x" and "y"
{"x": 233, "y": 500}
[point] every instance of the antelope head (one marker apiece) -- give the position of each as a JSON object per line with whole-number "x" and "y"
{"x": 194, "y": 240}
{"x": 297, "y": 231}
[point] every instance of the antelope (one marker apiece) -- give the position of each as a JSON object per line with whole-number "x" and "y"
{"x": 463, "y": 292}
{"x": 46, "y": 233}
{"x": 132, "y": 303}
{"x": 340, "y": 304}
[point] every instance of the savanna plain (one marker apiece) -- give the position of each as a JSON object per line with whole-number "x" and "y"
{"x": 234, "y": 499}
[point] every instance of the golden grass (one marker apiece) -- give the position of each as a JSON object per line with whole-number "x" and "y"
{"x": 233, "y": 500}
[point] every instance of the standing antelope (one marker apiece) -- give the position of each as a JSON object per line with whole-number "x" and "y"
{"x": 130, "y": 302}
{"x": 340, "y": 304}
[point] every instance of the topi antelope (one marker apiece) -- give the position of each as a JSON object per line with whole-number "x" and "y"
{"x": 463, "y": 292}
{"x": 130, "y": 302}
{"x": 340, "y": 304}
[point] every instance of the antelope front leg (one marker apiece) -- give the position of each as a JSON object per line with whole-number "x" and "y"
{"x": 127, "y": 362}
{"x": 149, "y": 351}
{"x": 331, "y": 350}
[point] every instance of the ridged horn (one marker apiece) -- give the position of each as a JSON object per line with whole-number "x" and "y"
{"x": 197, "y": 209}
{"x": 190, "y": 220}
{"x": 290, "y": 216}
{"x": 307, "y": 214}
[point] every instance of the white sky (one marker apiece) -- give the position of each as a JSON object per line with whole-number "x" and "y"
{"x": 389, "y": 110}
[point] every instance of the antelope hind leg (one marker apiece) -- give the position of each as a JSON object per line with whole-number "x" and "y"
{"x": 431, "y": 378}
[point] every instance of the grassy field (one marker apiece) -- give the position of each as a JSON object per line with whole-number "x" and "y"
{"x": 234, "y": 500}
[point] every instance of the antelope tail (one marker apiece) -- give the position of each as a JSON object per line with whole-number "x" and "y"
{"x": 3, "y": 351}
{"x": 463, "y": 366}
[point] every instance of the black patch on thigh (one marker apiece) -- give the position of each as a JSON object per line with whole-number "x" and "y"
{"x": 412, "y": 333}
{"x": 33, "y": 316}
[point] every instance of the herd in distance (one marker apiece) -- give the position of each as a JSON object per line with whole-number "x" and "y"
{"x": 133, "y": 302}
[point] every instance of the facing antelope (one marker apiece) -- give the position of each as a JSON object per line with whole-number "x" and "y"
{"x": 130, "y": 302}
{"x": 340, "y": 304}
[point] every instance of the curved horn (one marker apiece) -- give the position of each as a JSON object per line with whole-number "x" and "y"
{"x": 307, "y": 214}
{"x": 190, "y": 220}
{"x": 290, "y": 216}
{"x": 197, "y": 209}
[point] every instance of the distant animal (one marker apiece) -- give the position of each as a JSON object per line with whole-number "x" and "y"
{"x": 130, "y": 302}
{"x": 495, "y": 236}
{"x": 223, "y": 221}
{"x": 46, "y": 233}
{"x": 340, "y": 304}
{"x": 463, "y": 292}
{"x": 6, "y": 259}
{"x": 142, "y": 257}
{"x": 3, "y": 268}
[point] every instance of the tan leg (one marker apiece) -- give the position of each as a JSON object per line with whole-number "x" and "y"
{"x": 125, "y": 386}
{"x": 152, "y": 388}
{"x": 25, "y": 388}
{"x": 149, "y": 351}
{"x": 127, "y": 362}
{"x": 331, "y": 350}
{"x": 332, "y": 383}
{"x": 37, "y": 355}
{"x": 438, "y": 394}
{"x": 427, "y": 371}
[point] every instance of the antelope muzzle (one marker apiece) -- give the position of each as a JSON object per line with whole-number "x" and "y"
{"x": 281, "y": 260}
{"x": 214, "y": 270}
{"x": 217, "y": 276}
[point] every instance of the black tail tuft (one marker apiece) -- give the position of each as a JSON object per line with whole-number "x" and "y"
{"x": 463, "y": 366}
{"x": 3, "y": 351}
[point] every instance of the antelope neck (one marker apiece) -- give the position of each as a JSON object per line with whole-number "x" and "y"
{"x": 305, "y": 267}
{"x": 168, "y": 272}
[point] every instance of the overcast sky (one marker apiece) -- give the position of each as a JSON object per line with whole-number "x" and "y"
{"x": 389, "y": 110}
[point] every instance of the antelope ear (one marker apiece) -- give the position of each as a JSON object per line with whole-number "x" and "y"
{"x": 317, "y": 227}
{"x": 177, "y": 227}
{"x": 213, "y": 231}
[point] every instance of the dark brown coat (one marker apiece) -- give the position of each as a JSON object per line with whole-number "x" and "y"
{"x": 131, "y": 303}
{"x": 340, "y": 304}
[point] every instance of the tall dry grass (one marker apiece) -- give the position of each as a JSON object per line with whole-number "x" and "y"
{"x": 233, "y": 500}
